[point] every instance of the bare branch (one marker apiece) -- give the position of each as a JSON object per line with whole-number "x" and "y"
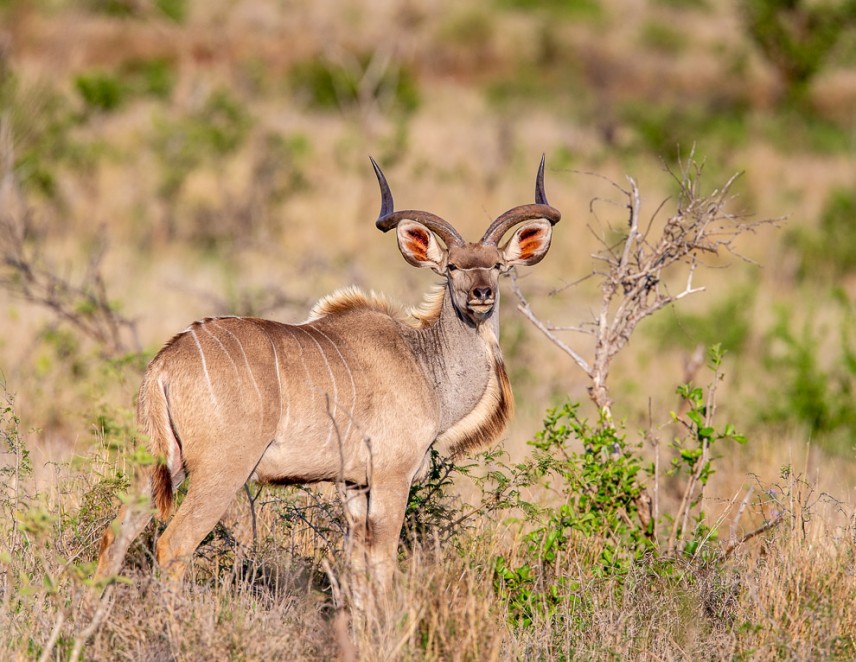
{"x": 524, "y": 308}
{"x": 634, "y": 270}
{"x": 766, "y": 526}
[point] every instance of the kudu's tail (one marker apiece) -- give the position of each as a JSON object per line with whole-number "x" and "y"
{"x": 154, "y": 419}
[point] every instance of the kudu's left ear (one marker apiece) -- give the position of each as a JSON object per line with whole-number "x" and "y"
{"x": 529, "y": 243}
{"x": 419, "y": 246}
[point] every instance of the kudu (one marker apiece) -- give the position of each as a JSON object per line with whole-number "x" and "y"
{"x": 358, "y": 394}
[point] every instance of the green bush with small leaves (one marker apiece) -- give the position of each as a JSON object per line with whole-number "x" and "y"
{"x": 828, "y": 252}
{"x": 813, "y": 391}
{"x": 329, "y": 85}
{"x": 798, "y": 36}
{"x": 601, "y": 517}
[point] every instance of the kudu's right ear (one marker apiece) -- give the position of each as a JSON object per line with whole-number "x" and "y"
{"x": 419, "y": 246}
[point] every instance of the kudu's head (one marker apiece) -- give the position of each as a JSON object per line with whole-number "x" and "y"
{"x": 472, "y": 269}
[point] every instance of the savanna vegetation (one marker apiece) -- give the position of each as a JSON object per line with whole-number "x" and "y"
{"x": 679, "y": 480}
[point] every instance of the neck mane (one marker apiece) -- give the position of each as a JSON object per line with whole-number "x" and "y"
{"x": 353, "y": 298}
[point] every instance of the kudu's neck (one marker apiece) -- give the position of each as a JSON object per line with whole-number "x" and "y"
{"x": 458, "y": 358}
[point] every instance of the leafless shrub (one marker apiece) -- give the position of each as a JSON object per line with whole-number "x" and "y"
{"x": 633, "y": 270}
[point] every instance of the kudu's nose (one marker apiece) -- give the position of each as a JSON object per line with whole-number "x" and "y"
{"x": 482, "y": 293}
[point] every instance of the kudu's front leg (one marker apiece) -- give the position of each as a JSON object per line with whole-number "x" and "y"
{"x": 375, "y": 519}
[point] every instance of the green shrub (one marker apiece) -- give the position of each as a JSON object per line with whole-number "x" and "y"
{"x": 663, "y": 38}
{"x": 42, "y": 122}
{"x": 665, "y": 130}
{"x": 576, "y": 8}
{"x": 791, "y": 130}
{"x": 602, "y": 517}
{"x": 216, "y": 129}
{"x": 808, "y": 390}
{"x": 727, "y": 322}
{"x": 174, "y": 10}
{"x": 829, "y": 251}
{"x": 797, "y": 36}
{"x": 154, "y": 77}
{"x": 105, "y": 92}
{"x": 101, "y": 91}
{"x": 685, "y": 4}
{"x": 328, "y": 85}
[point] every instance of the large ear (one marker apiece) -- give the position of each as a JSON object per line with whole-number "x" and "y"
{"x": 529, "y": 243}
{"x": 419, "y": 246}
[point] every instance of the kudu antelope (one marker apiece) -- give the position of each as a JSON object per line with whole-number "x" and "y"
{"x": 358, "y": 394}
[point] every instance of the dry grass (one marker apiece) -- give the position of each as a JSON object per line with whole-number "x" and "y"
{"x": 787, "y": 595}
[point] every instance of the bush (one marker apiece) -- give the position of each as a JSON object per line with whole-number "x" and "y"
{"x": 665, "y": 130}
{"x": 330, "y": 85}
{"x": 211, "y": 132}
{"x": 815, "y": 393}
{"x": 828, "y": 252}
{"x": 727, "y": 322}
{"x": 797, "y": 37}
{"x": 101, "y": 91}
{"x": 602, "y": 517}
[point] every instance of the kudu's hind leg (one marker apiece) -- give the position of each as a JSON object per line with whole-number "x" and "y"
{"x": 128, "y": 525}
{"x": 208, "y": 496}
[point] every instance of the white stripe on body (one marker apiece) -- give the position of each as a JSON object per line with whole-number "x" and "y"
{"x": 223, "y": 347}
{"x": 332, "y": 381}
{"x": 246, "y": 360}
{"x": 278, "y": 374}
{"x": 205, "y": 370}
{"x": 353, "y": 383}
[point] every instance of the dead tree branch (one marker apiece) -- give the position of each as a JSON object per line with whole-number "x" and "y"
{"x": 633, "y": 272}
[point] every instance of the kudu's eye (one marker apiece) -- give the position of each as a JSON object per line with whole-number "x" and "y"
{"x": 452, "y": 267}
{"x": 498, "y": 265}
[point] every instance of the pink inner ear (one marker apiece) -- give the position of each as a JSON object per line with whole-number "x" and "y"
{"x": 530, "y": 241}
{"x": 417, "y": 237}
{"x": 416, "y": 243}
